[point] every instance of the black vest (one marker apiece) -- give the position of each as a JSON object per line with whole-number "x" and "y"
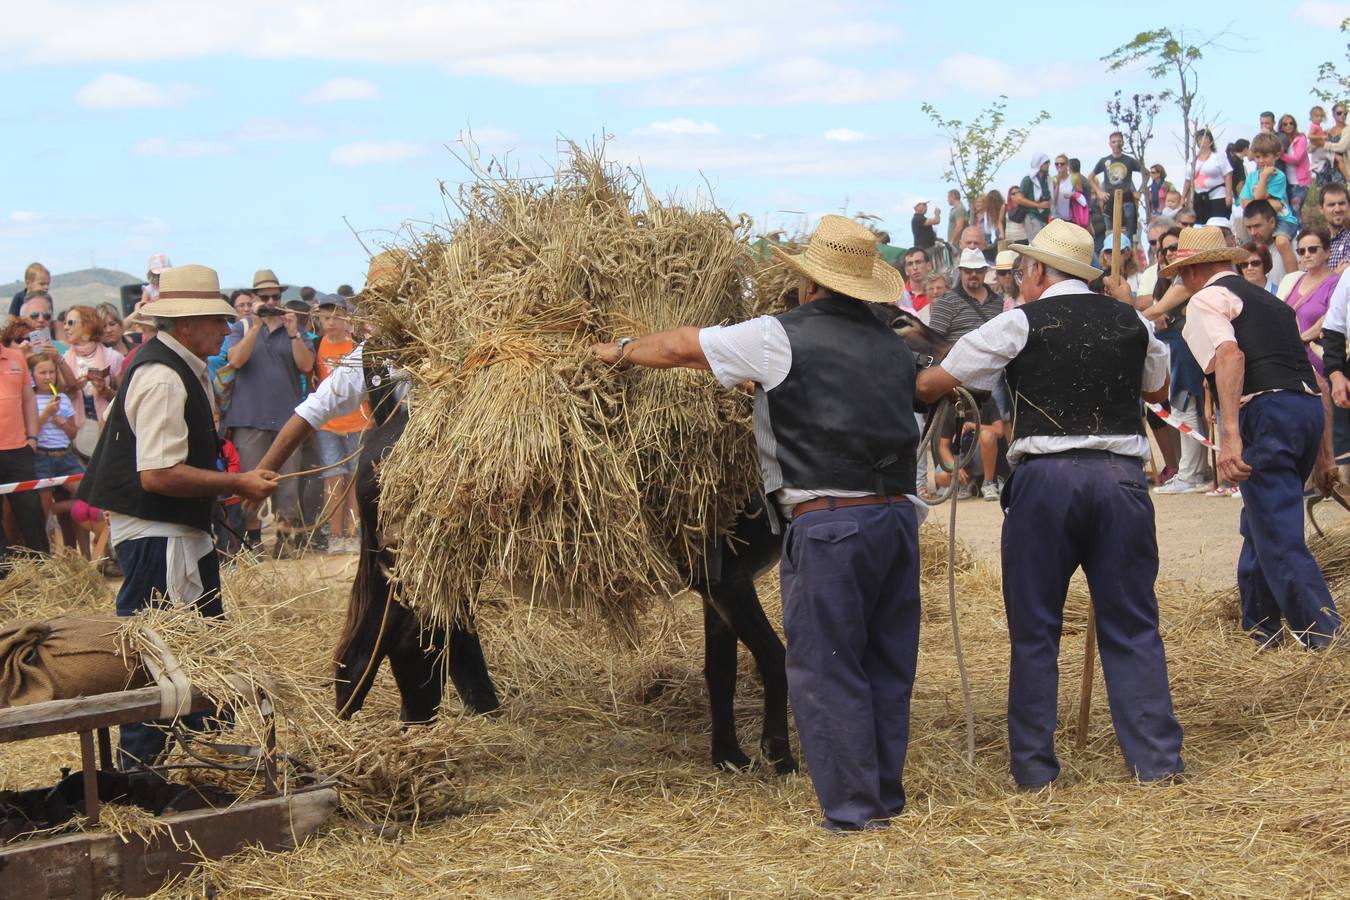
{"x": 112, "y": 481}
{"x": 843, "y": 418}
{"x": 381, "y": 388}
{"x": 1268, "y": 336}
{"x": 1081, "y": 370}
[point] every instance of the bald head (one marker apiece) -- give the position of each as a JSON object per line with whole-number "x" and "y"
{"x": 972, "y": 238}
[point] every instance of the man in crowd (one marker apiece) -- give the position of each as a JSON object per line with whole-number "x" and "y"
{"x": 1117, "y": 170}
{"x": 35, "y": 278}
{"x": 922, "y": 226}
{"x": 834, "y": 409}
{"x": 968, "y": 305}
{"x": 154, "y": 469}
{"x": 1078, "y": 363}
{"x": 268, "y": 359}
{"x": 1335, "y": 206}
{"x": 1149, "y": 277}
{"x": 18, "y": 445}
{"x": 1279, "y": 437}
{"x": 917, "y": 265}
{"x": 1261, "y": 221}
{"x": 957, "y": 217}
{"x": 1267, "y": 125}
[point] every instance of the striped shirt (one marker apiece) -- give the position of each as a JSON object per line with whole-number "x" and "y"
{"x": 956, "y": 313}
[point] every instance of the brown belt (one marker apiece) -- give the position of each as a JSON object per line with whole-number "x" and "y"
{"x": 45, "y": 452}
{"x": 845, "y": 502}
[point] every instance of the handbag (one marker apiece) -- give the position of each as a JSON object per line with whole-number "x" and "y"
{"x": 1079, "y": 210}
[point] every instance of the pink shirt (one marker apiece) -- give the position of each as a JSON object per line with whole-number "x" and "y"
{"x": 1209, "y": 321}
{"x": 1297, "y": 156}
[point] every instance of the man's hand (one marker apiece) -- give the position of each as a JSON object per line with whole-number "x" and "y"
{"x": 256, "y": 485}
{"x": 1231, "y": 465}
{"x": 1116, "y": 286}
{"x": 1340, "y": 390}
{"x": 289, "y": 320}
{"x": 608, "y": 352}
{"x": 1325, "y": 474}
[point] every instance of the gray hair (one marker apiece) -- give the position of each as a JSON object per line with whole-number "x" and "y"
{"x": 163, "y": 323}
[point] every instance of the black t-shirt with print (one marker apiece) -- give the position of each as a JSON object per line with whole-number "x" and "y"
{"x": 1118, "y": 173}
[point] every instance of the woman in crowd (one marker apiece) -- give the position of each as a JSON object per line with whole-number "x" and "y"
{"x": 1309, "y": 294}
{"x": 1211, "y": 180}
{"x": 1127, "y": 287}
{"x": 1014, "y": 229}
{"x": 1297, "y": 167}
{"x": 1256, "y": 267}
{"x": 114, "y": 336}
{"x": 991, "y": 223}
{"x": 1158, "y": 189}
{"x": 96, "y": 367}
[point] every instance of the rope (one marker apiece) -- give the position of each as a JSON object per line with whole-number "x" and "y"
{"x": 966, "y": 410}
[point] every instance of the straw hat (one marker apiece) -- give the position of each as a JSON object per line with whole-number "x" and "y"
{"x": 1064, "y": 246}
{"x": 386, "y": 269}
{"x": 186, "y": 291}
{"x": 1201, "y": 245}
{"x": 972, "y": 259}
{"x": 266, "y": 278}
{"x": 842, "y": 256}
{"x": 1006, "y": 261}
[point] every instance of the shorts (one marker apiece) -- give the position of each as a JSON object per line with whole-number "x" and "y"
{"x": 1286, "y": 228}
{"x": 252, "y": 444}
{"x": 335, "y": 448}
{"x": 56, "y": 466}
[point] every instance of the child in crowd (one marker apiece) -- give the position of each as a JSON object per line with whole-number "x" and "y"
{"x": 228, "y": 516}
{"x": 54, "y": 455}
{"x": 1267, "y": 182}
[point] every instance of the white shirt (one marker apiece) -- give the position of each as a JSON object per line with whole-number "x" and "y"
{"x": 758, "y": 350}
{"x": 1336, "y": 306}
{"x": 341, "y": 392}
{"x": 979, "y": 358}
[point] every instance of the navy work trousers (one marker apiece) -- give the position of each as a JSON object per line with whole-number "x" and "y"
{"x": 1277, "y": 575}
{"x": 1064, "y": 512}
{"x": 850, "y": 580}
{"x": 146, "y": 584}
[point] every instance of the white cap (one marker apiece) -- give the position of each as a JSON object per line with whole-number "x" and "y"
{"x": 972, "y": 259}
{"x": 1219, "y": 222}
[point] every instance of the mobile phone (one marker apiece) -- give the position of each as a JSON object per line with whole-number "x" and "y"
{"x": 39, "y": 338}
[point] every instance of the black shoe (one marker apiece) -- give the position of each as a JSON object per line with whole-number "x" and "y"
{"x": 253, "y": 540}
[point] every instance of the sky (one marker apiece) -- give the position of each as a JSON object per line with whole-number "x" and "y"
{"x": 294, "y": 135}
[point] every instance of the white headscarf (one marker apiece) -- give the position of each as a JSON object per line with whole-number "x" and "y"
{"x": 1038, "y": 160}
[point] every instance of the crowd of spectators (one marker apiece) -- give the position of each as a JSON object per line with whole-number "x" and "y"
{"x": 59, "y": 373}
{"x": 1280, "y": 195}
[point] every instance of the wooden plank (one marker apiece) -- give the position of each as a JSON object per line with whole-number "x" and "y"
{"x": 20, "y": 723}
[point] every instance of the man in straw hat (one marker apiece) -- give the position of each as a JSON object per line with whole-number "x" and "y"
{"x": 1076, "y": 363}
{"x": 834, "y": 420}
{"x": 154, "y": 468}
{"x": 344, "y": 391}
{"x": 1276, "y": 433}
{"x": 269, "y": 357}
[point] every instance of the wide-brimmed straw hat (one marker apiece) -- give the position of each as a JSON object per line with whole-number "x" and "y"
{"x": 1201, "y": 245}
{"x": 385, "y": 270}
{"x": 1006, "y": 261}
{"x": 842, "y": 256}
{"x": 1064, "y": 246}
{"x": 266, "y": 278}
{"x": 185, "y": 291}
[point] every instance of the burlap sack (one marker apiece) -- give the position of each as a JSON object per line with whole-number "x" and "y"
{"x": 62, "y": 658}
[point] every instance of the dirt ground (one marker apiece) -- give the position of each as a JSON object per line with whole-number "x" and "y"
{"x": 1198, "y": 539}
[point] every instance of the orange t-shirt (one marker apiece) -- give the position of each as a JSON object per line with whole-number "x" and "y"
{"x": 330, "y": 354}
{"x": 13, "y": 376}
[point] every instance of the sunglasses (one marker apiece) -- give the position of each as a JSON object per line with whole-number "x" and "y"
{"x": 268, "y": 297}
{"x": 1305, "y": 251}
{"x": 1168, "y": 248}
{"x": 1060, "y": 165}
{"x": 1253, "y": 264}
{"x": 1338, "y": 112}
{"x": 46, "y": 317}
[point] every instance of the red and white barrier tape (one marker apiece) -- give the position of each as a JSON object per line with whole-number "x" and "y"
{"x": 37, "y": 484}
{"x": 1185, "y": 429}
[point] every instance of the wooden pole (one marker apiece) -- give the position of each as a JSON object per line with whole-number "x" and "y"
{"x": 1090, "y": 641}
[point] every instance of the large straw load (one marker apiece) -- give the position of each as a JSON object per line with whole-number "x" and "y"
{"x": 526, "y": 461}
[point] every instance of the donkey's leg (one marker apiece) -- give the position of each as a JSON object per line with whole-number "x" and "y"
{"x": 469, "y": 672}
{"x": 719, "y": 671}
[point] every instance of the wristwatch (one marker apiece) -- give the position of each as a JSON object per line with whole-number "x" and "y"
{"x": 620, "y": 344}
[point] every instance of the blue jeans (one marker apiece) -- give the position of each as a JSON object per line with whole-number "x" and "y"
{"x": 1277, "y": 575}
{"x": 1064, "y": 512}
{"x": 146, "y": 584}
{"x": 850, "y": 580}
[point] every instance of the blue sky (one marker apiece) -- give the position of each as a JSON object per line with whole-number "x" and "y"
{"x": 243, "y": 137}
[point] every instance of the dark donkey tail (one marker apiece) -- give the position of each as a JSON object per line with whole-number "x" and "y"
{"x": 369, "y": 588}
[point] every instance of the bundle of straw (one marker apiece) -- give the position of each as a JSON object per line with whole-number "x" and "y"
{"x": 526, "y": 461}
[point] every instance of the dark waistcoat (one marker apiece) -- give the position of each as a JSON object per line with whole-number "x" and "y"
{"x": 1268, "y": 336}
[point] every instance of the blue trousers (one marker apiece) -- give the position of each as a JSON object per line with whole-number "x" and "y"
{"x": 146, "y": 584}
{"x": 850, "y": 580}
{"x": 1064, "y": 512}
{"x": 1277, "y": 575}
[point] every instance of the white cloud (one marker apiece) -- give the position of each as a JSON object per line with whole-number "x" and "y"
{"x": 802, "y": 79}
{"x": 844, "y": 135}
{"x": 1323, "y": 15}
{"x": 678, "y": 126}
{"x": 272, "y": 129}
{"x": 337, "y": 89}
{"x": 604, "y": 41}
{"x": 986, "y": 76}
{"x": 115, "y": 91}
{"x": 185, "y": 149}
{"x": 364, "y": 153}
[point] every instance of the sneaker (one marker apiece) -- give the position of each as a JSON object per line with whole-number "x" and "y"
{"x": 1166, "y": 475}
{"x": 989, "y": 491}
{"x": 1179, "y": 486}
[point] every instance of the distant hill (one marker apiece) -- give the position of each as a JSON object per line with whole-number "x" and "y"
{"x": 90, "y": 287}
{"x": 87, "y": 286}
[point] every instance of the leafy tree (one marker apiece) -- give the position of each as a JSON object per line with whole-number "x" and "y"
{"x": 979, "y": 148}
{"x": 1170, "y": 54}
{"x": 1334, "y": 87}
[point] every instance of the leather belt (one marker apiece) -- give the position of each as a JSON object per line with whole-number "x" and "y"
{"x": 819, "y": 503}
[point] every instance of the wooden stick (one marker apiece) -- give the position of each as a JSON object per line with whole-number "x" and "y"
{"x": 1090, "y": 641}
